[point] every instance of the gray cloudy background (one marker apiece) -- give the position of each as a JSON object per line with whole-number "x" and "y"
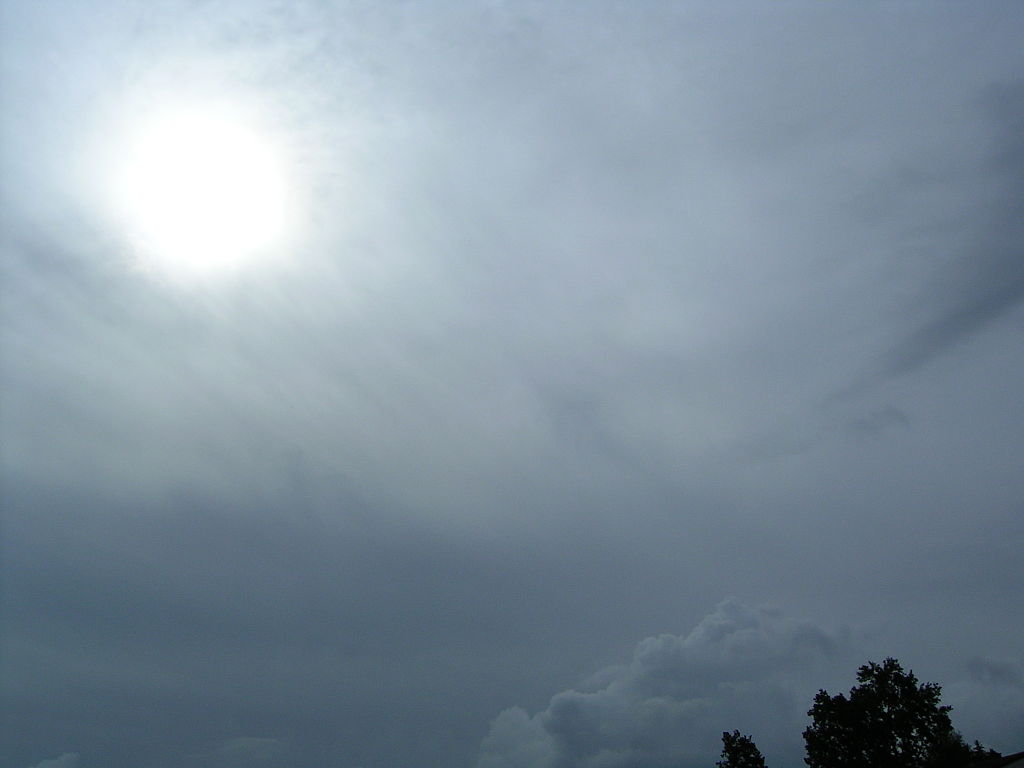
{"x": 640, "y": 369}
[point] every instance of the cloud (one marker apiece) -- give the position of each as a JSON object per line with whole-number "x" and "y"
{"x": 246, "y": 752}
{"x": 988, "y": 703}
{"x": 740, "y": 667}
{"x": 550, "y": 351}
{"x": 985, "y": 279}
{"x": 994, "y": 672}
{"x": 67, "y": 760}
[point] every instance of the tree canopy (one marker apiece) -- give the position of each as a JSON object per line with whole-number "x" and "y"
{"x": 739, "y": 751}
{"x": 888, "y": 721}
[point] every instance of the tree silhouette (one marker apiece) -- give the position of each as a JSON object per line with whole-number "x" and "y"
{"x": 739, "y": 751}
{"x": 888, "y": 721}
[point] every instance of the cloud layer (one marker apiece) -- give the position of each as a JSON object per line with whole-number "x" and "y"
{"x": 594, "y": 316}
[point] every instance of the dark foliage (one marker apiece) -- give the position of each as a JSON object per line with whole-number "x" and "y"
{"x": 888, "y": 721}
{"x": 739, "y": 751}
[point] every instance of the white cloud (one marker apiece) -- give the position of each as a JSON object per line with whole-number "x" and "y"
{"x": 747, "y": 668}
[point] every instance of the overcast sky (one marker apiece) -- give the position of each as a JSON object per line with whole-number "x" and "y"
{"x": 632, "y": 370}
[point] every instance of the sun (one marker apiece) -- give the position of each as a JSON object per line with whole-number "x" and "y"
{"x": 201, "y": 192}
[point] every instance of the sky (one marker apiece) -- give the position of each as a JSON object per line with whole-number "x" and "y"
{"x": 624, "y": 374}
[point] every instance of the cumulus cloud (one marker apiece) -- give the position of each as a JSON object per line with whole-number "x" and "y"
{"x": 740, "y": 667}
{"x": 67, "y": 760}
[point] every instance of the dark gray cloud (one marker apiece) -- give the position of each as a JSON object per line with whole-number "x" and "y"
{"x": 67, "y": 760}
{"x": 551, "y": 366}
{"x": 985, "y": 280}
{"x": 990, "y": 671}
{"x": 246, "y": 752}
{"x": 989, "y": 700}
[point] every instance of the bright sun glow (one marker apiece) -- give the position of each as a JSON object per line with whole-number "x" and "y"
{"x": 201, "y": 193}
